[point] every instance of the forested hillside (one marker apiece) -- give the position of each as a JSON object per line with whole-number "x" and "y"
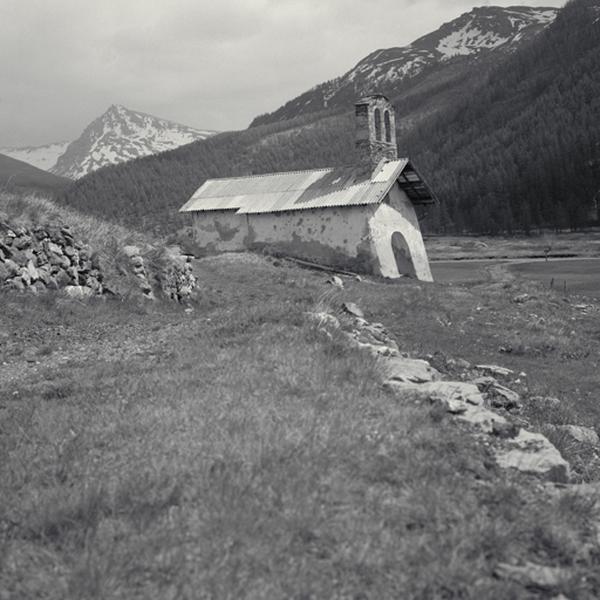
{"x": 519, "y": 150}
{"x": 523, "y": 151}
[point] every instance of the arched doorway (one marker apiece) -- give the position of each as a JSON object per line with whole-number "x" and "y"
{"x": 402, "y": 255}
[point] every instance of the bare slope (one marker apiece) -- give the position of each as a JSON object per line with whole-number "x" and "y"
{"x": 16, "y": 174}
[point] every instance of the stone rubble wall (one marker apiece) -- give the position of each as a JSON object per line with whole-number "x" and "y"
{"x": 488, "y": 407}
{"x": 47, "y": 258}
{"x": 172, "y": 275}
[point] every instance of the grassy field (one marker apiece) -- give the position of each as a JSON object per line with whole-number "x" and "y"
{"x": 233, "y": 452}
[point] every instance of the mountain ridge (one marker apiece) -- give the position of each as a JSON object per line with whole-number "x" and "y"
{"x": 117, "y": 135}
{"x": 121, "y": 134}
{"x": 481, "y": 31}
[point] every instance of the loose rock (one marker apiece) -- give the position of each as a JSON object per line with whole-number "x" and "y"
{"x": 336, "y": 281}
{"x": 353, "y": 309}
{"x": 408, "y": 370}
{"x": 502, "y": 397}
{"x": 532, "y": 575}
{"x": 495, "y": 370}
{"x": 533, "y": 453}
{"x": 78, "y": 292}
{"x": 584, "y": 435}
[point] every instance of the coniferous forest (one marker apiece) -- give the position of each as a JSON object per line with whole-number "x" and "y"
{"x": 520, "y": 152}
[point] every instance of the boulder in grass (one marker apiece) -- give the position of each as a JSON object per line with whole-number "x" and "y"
{"x": 532, "y": 575}
{"x": 130, "y": 251}
{"x": 78, "y": 292}
{"x": 336, "y": 282}
{"x": 503, "y": 397}
{"x": 578, "y": 433}
{"x": 533, "y": 453}
{"x": 353, "y": 309}
{"x": 407, "y": 370}
{"x": 495, "y": 370}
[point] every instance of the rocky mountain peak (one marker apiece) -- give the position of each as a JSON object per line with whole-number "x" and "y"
{"x": 117, "y": 135}
{"x": 122, "y": 134}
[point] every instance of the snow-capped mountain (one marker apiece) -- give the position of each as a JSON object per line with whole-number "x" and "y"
{"x": 119, "y": 135}
{"x": 42, "y": 157}
{"x": 474, "y": 34}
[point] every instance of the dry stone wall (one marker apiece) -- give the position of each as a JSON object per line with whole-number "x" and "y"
{"x": 168, "y": 272}
{"x": 47, "y": 257}
{"x": 50, "y": 257}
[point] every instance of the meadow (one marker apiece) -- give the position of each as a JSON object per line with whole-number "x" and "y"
{"x": 232, "y": 451}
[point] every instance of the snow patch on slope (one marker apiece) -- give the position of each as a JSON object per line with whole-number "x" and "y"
{"x": 466, "y": 41}
{"x": 120, "y": 135}
{"x": 481, "y": 31}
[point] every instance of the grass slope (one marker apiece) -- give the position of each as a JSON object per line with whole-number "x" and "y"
{"x": 233, "y": 452}
{"x": 16, "y": 174}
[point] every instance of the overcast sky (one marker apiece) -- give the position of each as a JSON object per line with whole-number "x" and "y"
{"x": 211, "y": 64}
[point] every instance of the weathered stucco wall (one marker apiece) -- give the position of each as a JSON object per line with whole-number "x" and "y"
{"x": 220, "y": 230}
{"x": 333, "y": 236}
{"x": 397, "y": 239}
{"x": 383, "y": 239}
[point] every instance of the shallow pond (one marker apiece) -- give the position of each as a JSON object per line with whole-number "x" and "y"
{"x": 575, "y": 275}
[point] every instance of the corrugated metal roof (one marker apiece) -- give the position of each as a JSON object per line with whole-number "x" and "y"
{"x": 295, "y": 190}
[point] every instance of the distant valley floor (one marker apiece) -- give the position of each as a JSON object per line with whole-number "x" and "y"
{"x": 570, "y": 276}
{"x": 579, "y": 244}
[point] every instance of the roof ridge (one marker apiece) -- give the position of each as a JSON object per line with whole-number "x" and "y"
{"x": 294, "y": 190}
{"x": 258, "y": 175}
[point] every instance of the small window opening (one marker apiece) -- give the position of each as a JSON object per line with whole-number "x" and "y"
{"x": 388, "y": 128}
{"x": 377, "y": 116}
